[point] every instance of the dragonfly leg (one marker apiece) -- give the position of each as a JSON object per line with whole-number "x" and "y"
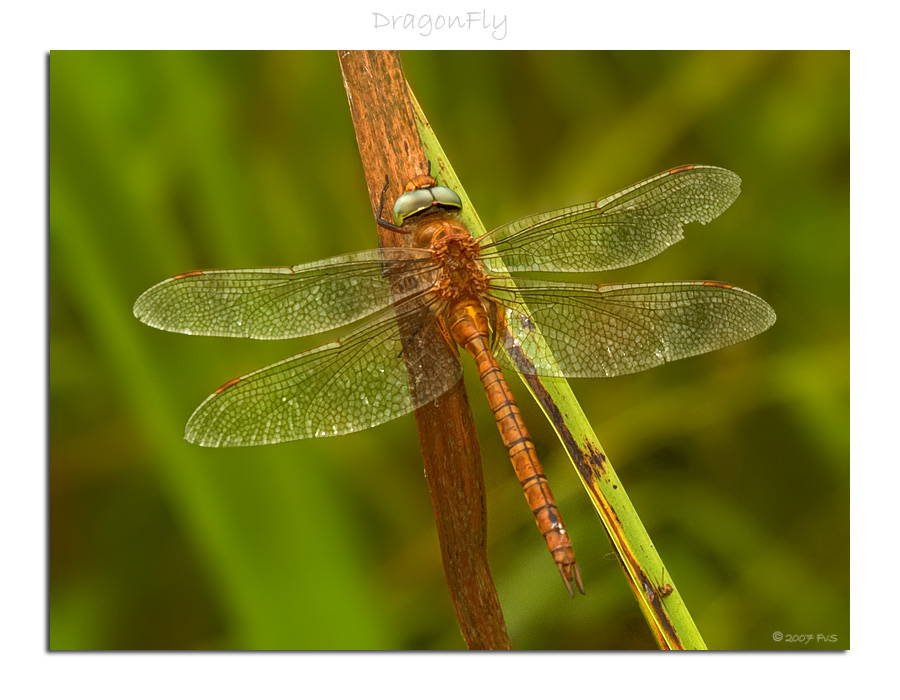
{"x": 384, "y": 223}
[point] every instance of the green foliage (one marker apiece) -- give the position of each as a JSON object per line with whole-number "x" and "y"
{"x": 737, "y": 461}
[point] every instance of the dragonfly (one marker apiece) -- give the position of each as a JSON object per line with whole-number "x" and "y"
{"x": 416, "y": 308}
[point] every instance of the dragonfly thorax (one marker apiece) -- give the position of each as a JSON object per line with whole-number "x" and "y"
{"x": 456, "y": 252}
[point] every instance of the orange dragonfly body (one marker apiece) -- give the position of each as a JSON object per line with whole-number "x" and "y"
{"x": 461, "y": 286}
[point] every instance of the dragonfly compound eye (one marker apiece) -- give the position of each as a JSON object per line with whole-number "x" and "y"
{"x": 446, "y": 197}
{"x": 417, "y": 201}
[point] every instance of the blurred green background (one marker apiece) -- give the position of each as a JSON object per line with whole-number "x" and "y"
{"x": 737, "y": 461}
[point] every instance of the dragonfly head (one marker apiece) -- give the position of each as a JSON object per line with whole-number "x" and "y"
{"x": 423, "y": 193}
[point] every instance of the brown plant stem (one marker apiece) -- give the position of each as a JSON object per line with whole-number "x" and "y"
{"x": 389, "y": 145}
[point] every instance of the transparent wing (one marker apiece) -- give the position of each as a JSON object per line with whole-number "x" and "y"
{"x": 623, "y": 229}
{"x": 285, "y": 302}
{"x": 341, "y": 387}
{"x": 612, "y": 330}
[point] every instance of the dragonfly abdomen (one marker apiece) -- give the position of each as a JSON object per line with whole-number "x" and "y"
{"x": 468, "y": 326}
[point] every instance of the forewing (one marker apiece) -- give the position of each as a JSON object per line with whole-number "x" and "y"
{"x": 285, "y": 302}
{"x": 611, "y": 330}
{"x": 365, "y": 379}
{"x": 623, "y": 229}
